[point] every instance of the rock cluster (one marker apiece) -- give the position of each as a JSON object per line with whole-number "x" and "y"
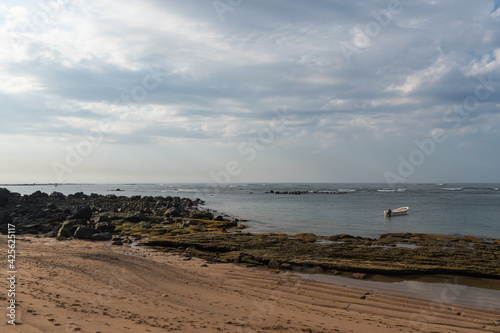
{"x": 88, "y": 216}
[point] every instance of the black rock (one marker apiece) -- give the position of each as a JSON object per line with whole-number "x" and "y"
{"x": 63, "y": 233}
{"x": 84, "y": 213}
{"x": 102, "y": 236}
{"x": 58, "y": 195}
{"x": 135, "y": 218}
{"x": 104, "y": 227}
{"x": 84, "y": 232}
{"x": 101, "y": 219}
{"x": 51, "y": 234}
{"x": 51, "y": 206}
{"x": 4, "y": 197}
{"x": 5, "y": 218}
{"x": 172, "y": 212}
{"x": 68, "y": 224}
{"x": 39, "y": 195}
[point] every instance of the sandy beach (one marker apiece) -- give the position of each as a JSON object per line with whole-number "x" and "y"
{"x": 85, "y": 286}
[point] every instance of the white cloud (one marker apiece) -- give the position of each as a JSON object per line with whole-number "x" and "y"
{"x": 488, "y": 64}
{"x": 13, "y": 84}
{"x": 68, "y": 69}
{"x": 425, "y": 76}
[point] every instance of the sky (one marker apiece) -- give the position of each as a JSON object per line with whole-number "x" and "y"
{"x": 232, "y": 91}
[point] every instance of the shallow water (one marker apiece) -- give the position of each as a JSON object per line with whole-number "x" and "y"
{"x": 446, "y": 290}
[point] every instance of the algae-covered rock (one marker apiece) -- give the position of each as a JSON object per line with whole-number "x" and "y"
{"x": 274, "y": 264}
{"x": 308, "y": 237}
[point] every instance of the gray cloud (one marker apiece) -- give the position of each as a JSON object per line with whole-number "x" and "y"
{"x": 223, "y": 79}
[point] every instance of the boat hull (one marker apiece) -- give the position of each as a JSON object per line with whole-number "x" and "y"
{"x": 396, "y": 212}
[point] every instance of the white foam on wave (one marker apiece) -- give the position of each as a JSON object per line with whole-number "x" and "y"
{"x": 187, "y": 190}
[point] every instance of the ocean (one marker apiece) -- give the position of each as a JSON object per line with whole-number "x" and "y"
{"x": 441, "y": 209}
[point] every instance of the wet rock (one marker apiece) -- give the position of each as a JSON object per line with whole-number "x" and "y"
{"x": 84, "y": 232}
{"x": 102, "y": 236}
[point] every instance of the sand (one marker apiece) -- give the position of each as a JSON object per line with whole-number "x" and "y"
{"x": 83, "y": 286}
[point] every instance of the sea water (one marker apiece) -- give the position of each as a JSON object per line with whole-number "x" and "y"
{"x": 329, "y": 209}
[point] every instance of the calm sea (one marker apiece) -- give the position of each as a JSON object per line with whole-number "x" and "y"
{"x": 444, "y": 209}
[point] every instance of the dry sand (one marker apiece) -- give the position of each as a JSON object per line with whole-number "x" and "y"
{"x": 81, "y": 286}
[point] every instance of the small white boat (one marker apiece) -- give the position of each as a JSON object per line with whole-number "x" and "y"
{"x": 396, "y": 212}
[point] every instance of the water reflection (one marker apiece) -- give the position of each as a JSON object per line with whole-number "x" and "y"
{"x": 465, "y": 291}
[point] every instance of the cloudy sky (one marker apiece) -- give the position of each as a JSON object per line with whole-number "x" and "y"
{"x": 250, "y": 91}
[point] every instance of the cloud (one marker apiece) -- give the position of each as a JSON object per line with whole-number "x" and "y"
{"x": 80, "y": 66}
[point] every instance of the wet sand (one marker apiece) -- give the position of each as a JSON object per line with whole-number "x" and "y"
{"x": 84, "y": 286}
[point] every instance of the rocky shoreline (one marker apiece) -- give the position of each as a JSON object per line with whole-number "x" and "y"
{"x": 183, "y": 226}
